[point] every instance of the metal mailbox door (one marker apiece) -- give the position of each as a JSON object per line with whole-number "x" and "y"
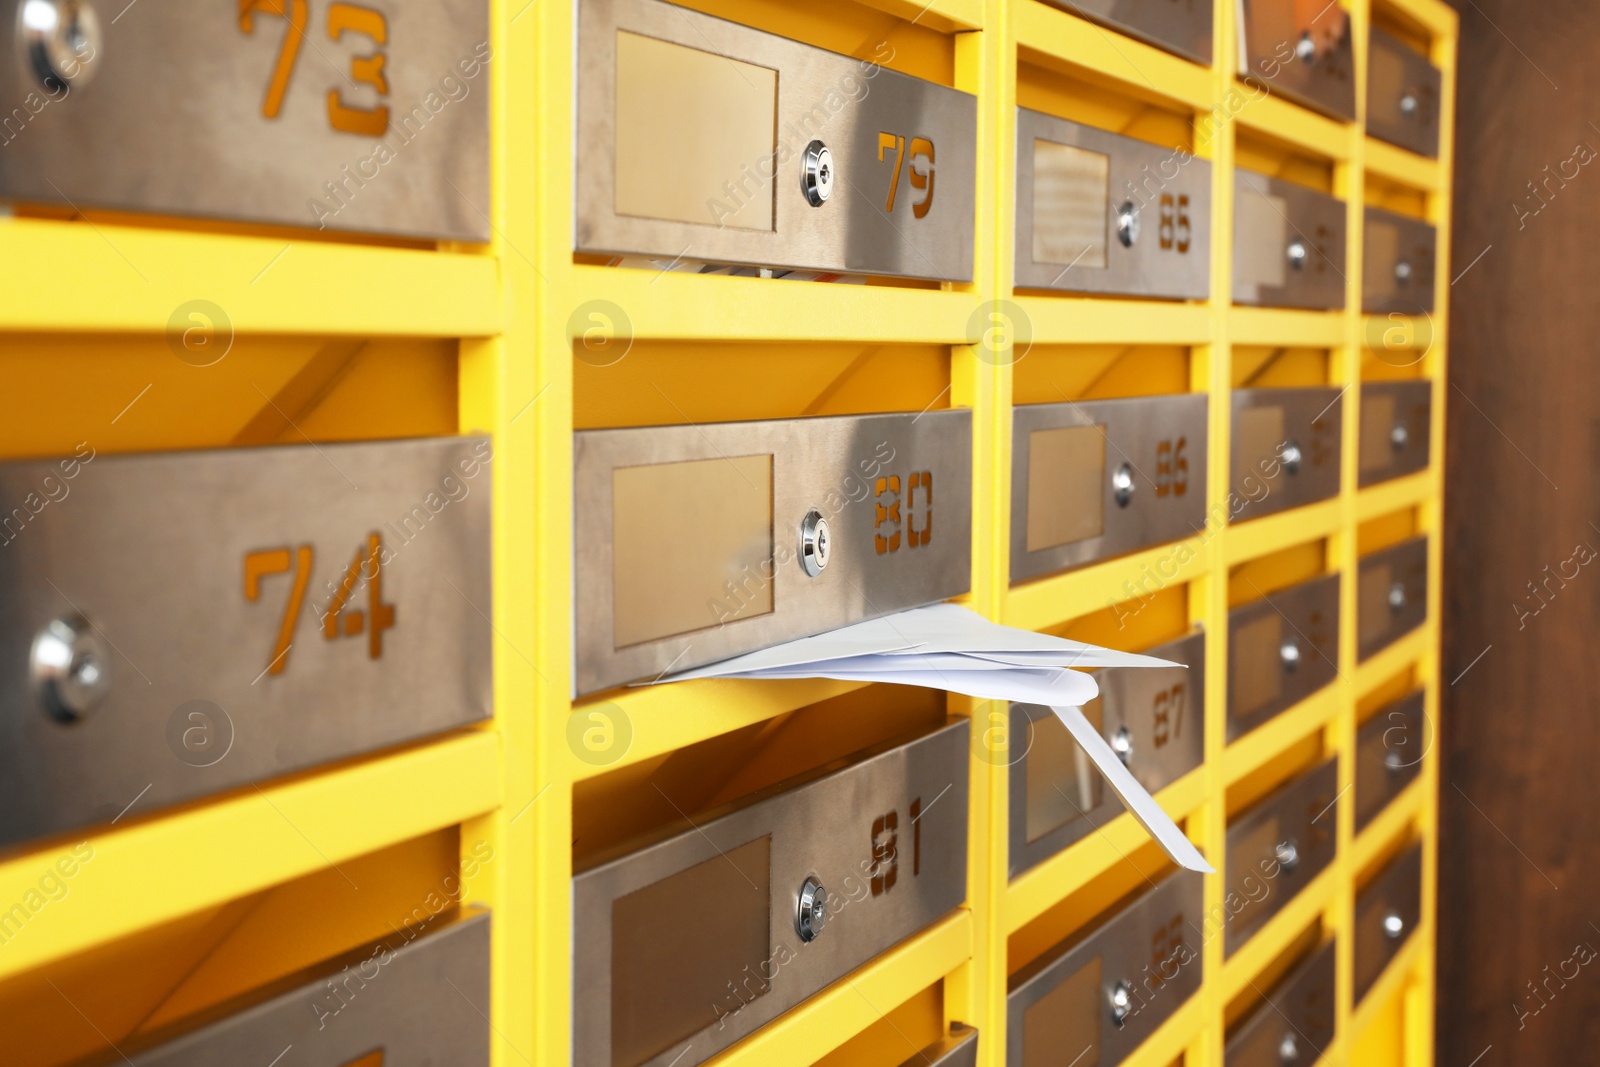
{"x": 1389, "y": 751}
{"x": 1288, "y": 244}
{"x": 1397, "y": 261}
{"x": 1302, "y": 50}
{"x": 1403, "y": 92}
{"x": 1391, "y": 595}
{"x": 1295, "y": 1023}
{"x": 1396, "y": 429}
{"x": 1181, "y": 26}
{"x": 1286, "y": 449}
{"x": 1277, "y": 848}
{"x": 1281, "y": 649}
{"x": 1387, "y": 911}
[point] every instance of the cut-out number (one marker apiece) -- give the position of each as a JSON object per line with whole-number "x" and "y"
{"x": 906, "y": 158}
{"x": 1172, "y": 467}
{"x": 339, "y": 620}
{"x": 1175, "y": 231}
{"x": 1168, "y": 715}
{"x": 297, "y": 13}
{"x": 366, "y": 69}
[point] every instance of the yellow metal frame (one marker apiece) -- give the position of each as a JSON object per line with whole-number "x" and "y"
{"x": 509, "y": 306}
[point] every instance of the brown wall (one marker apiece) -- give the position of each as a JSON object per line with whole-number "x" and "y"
{"x": 1520, "y": 805}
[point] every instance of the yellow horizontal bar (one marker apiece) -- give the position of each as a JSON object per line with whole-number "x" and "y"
{"x": 1399, "y": 333}
{"x": 1035, "y": 891}
{"x": 1166, "y": 1046}
{"x": 169, "y": 866}
{"x": 1391, "y": 982}
{"x": 1046, "y": 602}
{"x": 1407, "y": 168}
{"x": 1264, "y": 742}
{"x": 1389, "y": 824}
{"x": 1300, "y": 127}
{"x": 1381, "y": 666}
{"x": 85, "y": 276}
{"x": 1074, "y": 42}
{"x": 941, "y": 15}
{"x": 1269, "y": 942}
{"x": 1388, "y": 497}
{"x": 800, "y": 1037}
{"x": 664, "y": 718}
{"x": 686, "y": 306}
{"x": 1286, "y": 327}
{"x": 1055, "y": 320}
{"x": 1260, "y": 537}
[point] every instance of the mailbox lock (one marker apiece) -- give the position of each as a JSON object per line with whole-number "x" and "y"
{"x": 60, "y": 41}
{"x": 1128, "y": 223}
{"x": 1289, "y": 655}
{"x": 1289, "y": 1050}
{"x": 1408, "y": 105}
{"x": 1397, "y": 596}
{"x": 814, "y": 544}
{"x": 70, "y": 667}
{"x": 1288, "y": 855}
{"x": 1122, "y": 485}
{"x": 1393, "y": 925}
{"x": 816, "y": 174}
{"x": 811, "y": 911}
{"x": 1121, "y": 1003}
{"x": 1291, "y": 457}
{"x": 1305, "y": 50}
{"x": 1298, "y": 254}
{"x": 1122, "y": 745}
{"x": 1394, "y": 761}
{"x": 1402, "y": 272}
{"x": 1399, "y": 437}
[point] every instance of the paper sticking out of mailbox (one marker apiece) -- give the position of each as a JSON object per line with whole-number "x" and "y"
{"x": 949, "y": 647}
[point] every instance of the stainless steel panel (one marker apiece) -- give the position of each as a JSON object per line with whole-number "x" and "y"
{"x": 1157, "y": 443}
{"x": 1403, "y": 91}
{"x": 1396, "y": 429}
{"x": 1286, "y": 449}
{"x": 894, "y": 489}
{"x": 1281, "y": 649}
{"x": 958, "y": 1048}
{"x": 1277, "y": 848}
{"x": 1155, "y": 717}
{"x": 1181, "y": 26}
{"x": 1389, "y": 752}
{"x": 1397, "y": 262}
{"x": 1301, "y": 50}
{"x": 1387, "y": 911}
{"x": 904, "y": 155}
{"x": 1391, "y": 595}
{"x": 231, "y": 632}
{"x": 886, "y": 836}
{"x": 1296, "y": 1021}
{"x": 1288, "y": 244}
{"x": 218, "y": 110}
{"x": 1061, "y": 1005}
{"x": 391, "y": 999}
{"x": 1166, "y": 191}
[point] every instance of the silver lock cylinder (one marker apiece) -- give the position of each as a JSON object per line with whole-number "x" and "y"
{"x": 811, "y": 910}
{"x": 1397, "y": 596}
{"x": 1393, "y": 761}
{"x": 1408, "y": 105}
{"x": 1121, "y": 998}
{"x": 1399, "y": 437}
{"x": 1122, "y": 745}
{"x": 1288, "y": 855}
{"x": 817, "y": 174}
{"x": 1298, "y": 253}
{"x": 815, "y": 543}
{"x": 1305, "y": 49}
{"x": 1122, "y": 485}
{"x": 1402, "y": 273}
{"x": 60, "y": 41}
{"x": 1128, "y": 223}
{"x": 1393, "y": 925}
{"x": 1291, "y": 457}
{"x": 1289, "y": 1050}
{"x": 70, "y": 668}
{"x": 1289, "y": 655}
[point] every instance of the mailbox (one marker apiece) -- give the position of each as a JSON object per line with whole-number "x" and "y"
{"x": 1386, "y": 913}
{"x": 1102, "y": 994}
{"x": 1403, "y": 92}
{"x": 1389, "y": 752}
{"x": 788, "y": 528}
{"x": 1286, "y": 449}
{"x": 1396, "y": 429}
{"x": 1095, "y": 479}
{"x": 385, "y": 1004}
{"x": 1102, "y": 213}
{"x": 1301, "y": 50}
{"x": 702, "y": 139}
{"x": 958, "y": 1048}
{"x": 330, "y": 115}
{"x": 1154, "y": 719}
{"x": 178, "y": 624}
{"x": 1277, "y": 848}
{"x": 1397, "y": 264}
{"x": 1281, "y": 649}
{"x": 1288, "y": 244}
{"x": 1391, "y": 595}
{"x": 1295, "y": 1022}
{"x": 1181, "y": 26}
{"x": 687, "y": 940}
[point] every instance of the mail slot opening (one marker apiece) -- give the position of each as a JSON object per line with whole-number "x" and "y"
{"x": 1280, "y": 366}
{"x": 901, "y": 1034}
{"x": 1263, "y": 986}
{"x": 1057, "y": 87}
{"x": 1265, "y": 154}
{"x": 1054, "y": 374}
{"x": 1265, "y": 576}
{"x": 1386, "y": 531}
{"x": 1397, "y": 197}
{"x": 1285, "y": 766}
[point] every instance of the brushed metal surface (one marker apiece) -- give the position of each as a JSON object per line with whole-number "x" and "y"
{"x": 1301, "y": 814}
{"x": 173, "y": 120}
{"x": 1152, "y": 942}
{"x": 1397, "y": 890}
{"x": 1389, "y": 751}
{"x": 1169, "y": 187}
{"x": 1162, "y": 439}
{"x": 846, "y": 103}
{"x": 841, "y": 466}
{"x": 1163, "y": 711}
{"x": 823, "y": 828}
{"x": 1270, "y": 216}
{"x": 392, "y": 997}
{"x": 1397, "y": 264}
{"x": 1388, "y": 408}
{"x": 1379, "y": 622}
{"x": 958, "y": 1048}
{"x": 1302, "y": 50}
{"x": 1260, "y": 683}
{"x": 1267, "y": 424}
{"x": 1395, "y": 73}
{"x": 152, "y": 550}
{"x": 1298, "y": 1010}
{"x": 1181, "y": 26}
